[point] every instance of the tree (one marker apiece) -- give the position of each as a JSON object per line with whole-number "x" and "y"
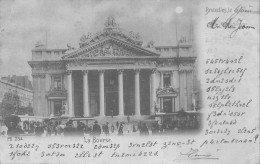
{"x": 10, "y": 103}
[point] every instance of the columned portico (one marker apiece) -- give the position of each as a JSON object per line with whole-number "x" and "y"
{"x": 86, "y": 93}
{"x": 142, "y": 94}
{"x": 70, "y": 111}
{"x": 137, "y": 92}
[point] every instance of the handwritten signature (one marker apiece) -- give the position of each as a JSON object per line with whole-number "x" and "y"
{"x": 194, "y": 154}
{"x": 231, "y": 23}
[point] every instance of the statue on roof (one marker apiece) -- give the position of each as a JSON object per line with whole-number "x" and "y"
{"x": 70, "y": 48}
{"x": 85, "y": 38}
{"x": 134, "y": 36}
{"x": 39, "y": 44}
{"x": 150, "y": 44}
{"x": 111, "y": 22}
{"x": 183, "y": 40}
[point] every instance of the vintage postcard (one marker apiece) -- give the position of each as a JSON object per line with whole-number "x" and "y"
{"x": 142, "y": 81}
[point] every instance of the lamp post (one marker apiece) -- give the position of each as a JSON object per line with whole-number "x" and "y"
{"x": 178, "y": 10}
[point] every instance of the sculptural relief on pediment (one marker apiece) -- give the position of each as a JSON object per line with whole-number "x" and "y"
{"x": 111, "y": 29}
{"x": 108, "y": 50}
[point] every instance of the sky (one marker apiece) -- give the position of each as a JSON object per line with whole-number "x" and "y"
{"x": 59, "y": 22}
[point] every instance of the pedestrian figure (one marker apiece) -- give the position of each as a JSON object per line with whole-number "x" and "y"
{"x": 120, "y": 130}
{"x": 144, "y": 130}
{"x": 4, "y": 129}
{"x": 155, "y": 129}
{"x": 112, "y": 128}
{"x": 96, "y": 129}
{"x": 128, "y": 118}
{"x": 48, "y": 130}
{"x": 80, "y": 128}
{"x": 117, "y": 124}
{"x": 39, "y": 130}
{"x": 134, "y": 130}
{"x": 69, "y": 130}
{"x": 112, "y": 113}
{"x": 106, "y": 129}
{"x": 103, "y": 128}
{"x": 11, "y": 130}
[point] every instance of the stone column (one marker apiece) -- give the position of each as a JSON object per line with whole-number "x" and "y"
{"x": 153, "y": 92}
{"x": 185, "y": 92}
{"x": 161, "y": 104}
{"x": 52, "y": 107}
{"x": 48, "y": 88}
{"x": 85, "y": 93}
{"x": 176, "y": 86}
{"x": 137, "y": 92}
{"x": 49, "y": 107}
{"x": 35, "y": 94}
{"x": 172, "y": 84}
{"x": 47, "y": 82}
{"x": 70, "y": 101}
{"x": 101, "y": 93}
{"x": 120, "y": 92}
{"x": 161, "y": 79}
{"x": 192, "y": 91}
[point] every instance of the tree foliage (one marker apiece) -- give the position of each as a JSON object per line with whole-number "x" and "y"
{"x": 10, "y": 103}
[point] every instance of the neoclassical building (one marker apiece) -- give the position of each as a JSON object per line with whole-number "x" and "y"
{"x": 112, "y": 73}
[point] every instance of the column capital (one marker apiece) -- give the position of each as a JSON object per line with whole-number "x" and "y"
{"x": 154, "y": 70}
{"x": 101, "y": 71}
{"x": 68, "y": 72}
{"x": 137, "y": 70}
{"x": 84, "y": 71}
{"x": 120, "y": 71}
{"x": 38, "y": 75}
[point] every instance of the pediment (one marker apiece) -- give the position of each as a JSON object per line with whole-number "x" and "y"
{"x": 57, "y": 93}
{"x": 111, "y": 48}
{"x": 166, "y": 92}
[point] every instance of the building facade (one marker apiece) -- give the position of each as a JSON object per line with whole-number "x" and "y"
{"x": 112, "y": 74}
{"x": 22, "y": 81}
{"x": 9, "y": 90}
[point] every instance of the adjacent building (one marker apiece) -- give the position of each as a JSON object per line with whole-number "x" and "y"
{"x": 22, "y": 81}
{"x": 8, "y": 90}
{"x": 112, "y": 73}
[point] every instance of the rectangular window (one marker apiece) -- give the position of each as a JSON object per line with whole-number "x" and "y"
{"x": 38, "y": 53}
{"x": 48, "y": 52}
{"x": 166, "y": 80}
{"x": 57, "y": 82}
{"x": 57, "y": 105}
